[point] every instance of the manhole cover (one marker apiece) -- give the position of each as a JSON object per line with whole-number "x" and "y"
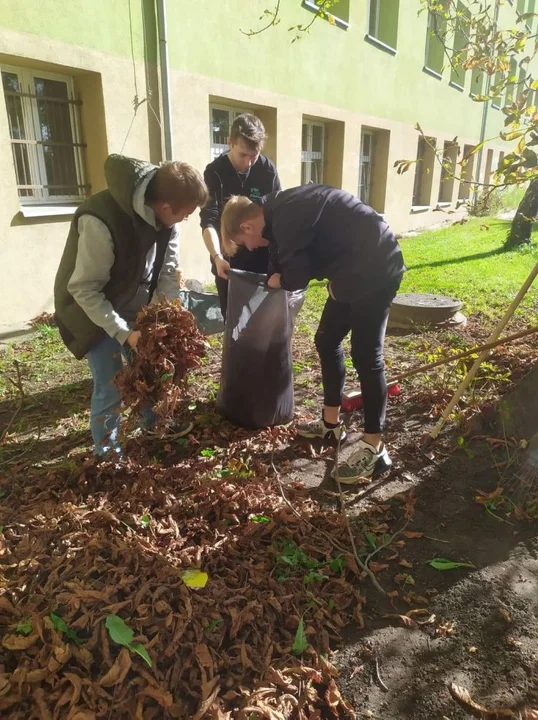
{"x": 412, "y": 310}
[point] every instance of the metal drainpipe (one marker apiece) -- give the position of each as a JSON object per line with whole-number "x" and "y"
{"x": 165, "y": 79}
{"x": 485, "y": 108}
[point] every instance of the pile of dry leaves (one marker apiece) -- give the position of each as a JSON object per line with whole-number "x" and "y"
{"x": 193, "y": 591}
{"x": 169, "y": 347}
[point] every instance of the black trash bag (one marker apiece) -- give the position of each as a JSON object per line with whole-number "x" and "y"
{"x": 256, "y": 389}
{"x": 206, "y": 310}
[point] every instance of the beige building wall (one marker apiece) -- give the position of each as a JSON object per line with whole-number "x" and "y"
{"x": 30, "y": 249}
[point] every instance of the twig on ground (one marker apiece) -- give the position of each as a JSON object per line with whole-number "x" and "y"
{"x": 362, "y": 564}
{"x": 22, "y": 394}
{"x": 358, "y": 560}
{"x": 387, "y": 543}
{"x": 378, "y": 676}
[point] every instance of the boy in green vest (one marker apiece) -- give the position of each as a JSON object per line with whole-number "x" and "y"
{"x": 122, "y": 250}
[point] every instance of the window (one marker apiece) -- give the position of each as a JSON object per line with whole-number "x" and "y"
{"x": 338, "y": 13}
{"x": 44, "y": 127}
{"x": 366, "y": 165}
{"x": 423, "y": 172}
{"x": 477, "y": 82}
{"x": 521, "y": 82}
{"x": 488, "y": 167}
{"x": 373, "y": 167}
{"x": 448, "y": 168}
{"x": 459, "y": 54}
{"x": 312, "y": 155}
{"x": 496, "y": 91}
{"x": 529, "y": 23}
{"x": 383, "y": 22}
{"x": 435, "y": 42}
{"x": 220, "y": 122}
{"x": 510, "y": 87}
{"x": 467, "y": 165}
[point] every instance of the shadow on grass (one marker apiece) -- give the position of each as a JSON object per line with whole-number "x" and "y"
{"x": 458, "y": 260}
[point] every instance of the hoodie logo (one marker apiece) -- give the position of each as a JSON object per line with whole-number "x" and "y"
{"x": 255, "y": 194}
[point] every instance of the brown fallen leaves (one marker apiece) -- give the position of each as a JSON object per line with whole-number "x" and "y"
{"x": 224, "y": 651}
{"x": 169, "y": 347}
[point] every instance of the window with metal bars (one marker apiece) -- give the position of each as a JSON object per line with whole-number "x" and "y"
{"x": 366, "y": 165}
{"x": 221, "y": 119}
{"x": 312, "y": 152}
{"x": 45, "y": 131}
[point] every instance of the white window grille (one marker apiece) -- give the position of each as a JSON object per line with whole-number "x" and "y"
{"x": 312, "y": 155}
{"x": 221, "y": 119}
{"x": 45, "y": 131}
{"x": 366, "y": 165}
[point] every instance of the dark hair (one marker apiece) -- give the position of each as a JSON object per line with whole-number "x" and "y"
{"x": 250, "y": 129}
{"x": 178, "y": 184}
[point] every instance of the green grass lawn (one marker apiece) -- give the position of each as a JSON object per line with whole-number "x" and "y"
{"x": 466, "y": 262}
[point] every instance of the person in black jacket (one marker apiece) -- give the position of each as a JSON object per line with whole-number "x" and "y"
{"x": 316, "y": 231}
{"x": 240, "y": 171}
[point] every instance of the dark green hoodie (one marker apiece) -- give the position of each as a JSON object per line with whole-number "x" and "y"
{"x": 132, "y": 238}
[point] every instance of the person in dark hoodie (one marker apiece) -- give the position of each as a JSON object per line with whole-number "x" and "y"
{"x": 122, "y": 249}
{"x": 316, "y": 231}
{"x": 240, "y": 171}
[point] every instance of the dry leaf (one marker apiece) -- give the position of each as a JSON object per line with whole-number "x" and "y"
{"x": 118, "y": 671}
{"x": 19, "y": 642}
{"x": 464, "y": 699}
{"x": 403, "y": 619}
{"x": 410, "y": 534}
{"x": 405, "y": 563}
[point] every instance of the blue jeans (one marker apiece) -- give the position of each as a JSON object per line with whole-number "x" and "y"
{"x": 105, "y": 360}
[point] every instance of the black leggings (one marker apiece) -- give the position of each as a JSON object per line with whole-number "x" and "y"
{"x": 367, "y": 322}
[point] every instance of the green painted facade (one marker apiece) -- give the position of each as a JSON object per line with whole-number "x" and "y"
{"x": 331, "y": 65}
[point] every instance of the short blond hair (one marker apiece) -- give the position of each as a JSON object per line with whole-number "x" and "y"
{"x": 237, "y": 210}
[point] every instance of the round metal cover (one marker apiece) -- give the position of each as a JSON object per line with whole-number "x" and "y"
{"x": 415, "y": 309}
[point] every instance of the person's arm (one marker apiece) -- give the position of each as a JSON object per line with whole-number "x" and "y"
{"x": 167, "y": 284}
{"x": 95, "y": 257}
{"x": 292, "y": 261}
{"x": 276, "y": 182}
{"x": 210, "y": 221}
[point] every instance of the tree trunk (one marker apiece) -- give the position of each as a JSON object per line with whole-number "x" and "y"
{"x": 520, "y": 231}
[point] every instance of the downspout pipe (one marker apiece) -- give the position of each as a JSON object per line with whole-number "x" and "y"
{"x": 485, "y": 107}
{"x": 165, "y": 79}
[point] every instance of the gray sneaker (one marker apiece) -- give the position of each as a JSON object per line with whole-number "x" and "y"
{"x": 316, "y": 429}
{"x": 171, "y": 432}
{"x": 362, "y": 464}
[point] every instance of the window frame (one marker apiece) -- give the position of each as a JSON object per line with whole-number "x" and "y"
{"x": 372, "y": 35}
{"x": 233, "y": 111}
{"x": 311, "y": 5}
{"x": 311, "y": 124}
{"x": 430, "y": 36}
{"x": 36, "y": 160}
{"x": 370, "y": 164}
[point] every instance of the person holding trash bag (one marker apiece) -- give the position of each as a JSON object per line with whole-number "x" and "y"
{"x": 242, "y": 170}
{"x": 316, "y": 231}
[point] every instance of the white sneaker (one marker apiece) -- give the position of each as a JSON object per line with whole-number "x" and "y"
{"x": 318, "y": 429}
{"x": 362, "y": 464}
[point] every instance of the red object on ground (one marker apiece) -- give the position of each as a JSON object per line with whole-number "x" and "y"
{"x": 352, "y": 401}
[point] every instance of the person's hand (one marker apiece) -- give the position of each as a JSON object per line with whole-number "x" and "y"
{"x": 222, "y": 266}
{"x": 133, "y": 339}
{"x": 274, "y": 281}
